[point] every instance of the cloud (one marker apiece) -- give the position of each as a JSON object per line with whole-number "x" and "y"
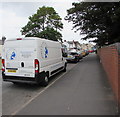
{"x": 14, "y": 15}
{"x": 11, "y": 24}
{"x": 50, "y": 1}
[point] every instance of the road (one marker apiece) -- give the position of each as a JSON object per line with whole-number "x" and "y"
{"x": 15, "y": 96}
{"x": 82, "y": 90}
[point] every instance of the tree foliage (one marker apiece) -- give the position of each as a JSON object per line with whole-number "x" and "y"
{"x": 45, "y": 23}
{"x": 49, "y": 33}
{"x": 98, "y": 20}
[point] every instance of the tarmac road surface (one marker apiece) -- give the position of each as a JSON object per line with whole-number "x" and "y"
{"x": 15, "y": 96}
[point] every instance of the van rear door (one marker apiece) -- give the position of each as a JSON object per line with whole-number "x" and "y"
{"x": 12, "y": 50}
{"x": 19, "y": 58}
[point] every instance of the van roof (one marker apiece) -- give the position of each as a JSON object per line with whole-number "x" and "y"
{"x": 24, "y": 38}
{"x": 30, "y": 38}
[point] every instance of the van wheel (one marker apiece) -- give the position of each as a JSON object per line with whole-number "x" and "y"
{"x": 64, "y": 70}
{"x": 45, "y": 81}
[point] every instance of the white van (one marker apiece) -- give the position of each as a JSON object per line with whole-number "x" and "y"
{"x": 31, "y": 59}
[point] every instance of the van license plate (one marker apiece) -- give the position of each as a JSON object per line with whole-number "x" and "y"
{"x": 13, "y": 71}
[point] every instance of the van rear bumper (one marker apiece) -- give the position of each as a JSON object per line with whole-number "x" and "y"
{"x": 37, "y": 79}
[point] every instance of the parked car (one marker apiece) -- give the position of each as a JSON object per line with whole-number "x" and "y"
{"x": 83, "y": 53}
{"x": 87, "y": 52}
{"x": 31, "y": 59}
{"x": 73, "y": 57}
{"x": 91, "y": 51}
{"x": 80, "y": 54}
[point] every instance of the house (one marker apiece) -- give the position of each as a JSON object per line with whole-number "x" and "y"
{"x": 72, "y": 45}
{"x": 76, "y": 45}
{"x": 87, "y": 46}
{"x": 1, "y": 44}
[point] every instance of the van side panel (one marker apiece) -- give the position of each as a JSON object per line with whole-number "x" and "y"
{"x": 50, "y": 56}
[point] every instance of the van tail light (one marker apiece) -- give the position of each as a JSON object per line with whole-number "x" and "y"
{"x": 3, "y": 65}
{"x": 19, "y": 38}
{"x": 36, "y": 62}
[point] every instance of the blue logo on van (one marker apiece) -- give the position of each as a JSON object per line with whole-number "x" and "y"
{"x": 46, "y": 52}
{"x": 13, "y": 55}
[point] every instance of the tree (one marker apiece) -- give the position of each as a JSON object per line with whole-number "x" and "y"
{"x": 43, "y": 23}
{"x": 98, "y": 20}
{"x": 49, "y": 33}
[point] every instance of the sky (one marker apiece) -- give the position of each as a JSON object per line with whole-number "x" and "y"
{"x": 14, "y": 15}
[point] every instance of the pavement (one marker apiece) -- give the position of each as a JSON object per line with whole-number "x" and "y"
{"x": 83, "y": 90}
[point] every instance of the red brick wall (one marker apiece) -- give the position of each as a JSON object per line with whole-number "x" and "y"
{"x": 110, "y": 59}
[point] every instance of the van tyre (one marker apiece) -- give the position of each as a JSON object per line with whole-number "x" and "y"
{"x": 45, "y": 81}
{"x": 77, "y": 60}
{"x": 64, "y": 70}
